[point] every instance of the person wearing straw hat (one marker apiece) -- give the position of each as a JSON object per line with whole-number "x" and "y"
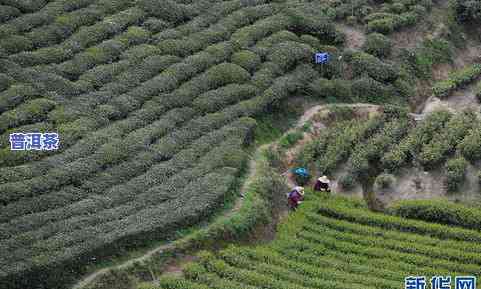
{"x": 322, "y": 184}
{"x": 295, "y": 197}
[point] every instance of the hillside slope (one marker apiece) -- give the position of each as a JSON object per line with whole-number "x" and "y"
{"x": 336, "y": 242}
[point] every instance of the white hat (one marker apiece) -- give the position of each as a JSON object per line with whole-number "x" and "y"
{"x": 299, "y": 188}
{"x": 324, "y": 179}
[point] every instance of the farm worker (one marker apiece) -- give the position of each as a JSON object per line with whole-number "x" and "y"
{"x": 295, "y": 197}
{"x": 322, "y": 184}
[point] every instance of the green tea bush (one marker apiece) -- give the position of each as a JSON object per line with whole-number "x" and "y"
{"x": 347, "y": 181}
{"x": 290, "y": 139}
{"x": 32, "y": 111}
{"x": 334, "y": 89}
{"x": 289, "y": 54}
{"x": 456, "y": 80}
{"x": 5, "y": 81}
{"x": 455, "y": 173}
{"x": 302, "y": 22}
{"x": 408, "y": 148}
{"x": 470, "y": 146}
{"x": 467, "y": 11}
{"x": 247, "y": 60}
{"x": 8, "y": 12}
{"x": 383, "y": 25}
{"x": 385, "y": 181}
{"x": 366, "y": 64}
{"x": 438, "y": 211}
{"x": 15, "y": 43}
{"x": 215, "y": 100}
{"x": 377, "y": 45}
{"x": 444, "y": 142}
{"x": 366, "y": 89}
{"x": 155, "y": 25}
{"x": 168, "y": 10}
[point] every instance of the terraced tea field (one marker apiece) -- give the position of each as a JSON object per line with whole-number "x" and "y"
{"x": 337, "y": 242}
{"x": 152, "y": 101}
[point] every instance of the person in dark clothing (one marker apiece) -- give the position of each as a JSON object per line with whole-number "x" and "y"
{"x": 322, "y": 184}
{"x": 295, "y": 197}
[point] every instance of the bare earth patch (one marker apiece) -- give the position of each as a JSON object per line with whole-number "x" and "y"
{"x": 355, "y": 37}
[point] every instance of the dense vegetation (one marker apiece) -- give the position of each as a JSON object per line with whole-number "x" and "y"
{"x": 391, "y": 141}
{"x": 335, "y": 242}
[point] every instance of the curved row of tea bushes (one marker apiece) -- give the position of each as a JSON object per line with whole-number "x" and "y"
{"x": 30, "y": 19}
{"x": 85, "y": 37}
{"x": 324, "y": 245}
{"x": 438, "y": 211}
{"x": 404, "y": 152}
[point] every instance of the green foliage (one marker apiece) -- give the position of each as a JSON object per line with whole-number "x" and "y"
{"x": 347, "y": 181}
{"x": 338, "y": 243}
{"x": 247, "y": 60}
{"x": 377, "y": 45}
{"x": 290, "y": 139}
{"x": 467, "y": 11}
{"x": 168, "y": 10}
{"x": 456, "y": 80}
{"x": 8, "y": 12}
{"x": 438, "y": 211}
{"x": 333, "y": 90}
{"x": 455, "y": 173}
{"x": 366, "y": 89}
{"x": 15, "y": 43}
{"x": 385, "y": 181}
{"x": 364, "y": 64}
{"x": 470, "y": 146}
{"x": 443, "y": 144}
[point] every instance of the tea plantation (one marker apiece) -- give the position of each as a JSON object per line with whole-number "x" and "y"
{"x": 392, "y": 141}
{"x": 156, "y": 103}
{"x": 337, "y": 242}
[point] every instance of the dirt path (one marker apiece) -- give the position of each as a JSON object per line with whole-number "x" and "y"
{"x": 355, "y": 37}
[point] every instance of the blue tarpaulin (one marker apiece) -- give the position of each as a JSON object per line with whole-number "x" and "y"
{"x": 301, "y": 172}
{"x": 322, "y": 57}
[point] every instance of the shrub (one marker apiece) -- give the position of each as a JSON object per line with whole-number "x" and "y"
{"x": 5, "y": 81}
{"x": 467, "y": 11}
{"x": 16, "y": 43}
{"x": 247, "y": 60}
{"x": 168, "y": 10}
{"x": 384, "y": 181}
{"x": 455, "y": 173}
{"x": 290, "y": 139}
{"x": 155, "y": 25}
{"x": 384, "y": 25}
{"x": 444, "y": 142}
{"x": 347, "y": 181}
{"x": 438, "y": 211}
{"x": 456, "y": 80}
{"x": 378, "y": 45}
{"x": 289, "y": 54}
{"x": 366, "y": 64}
{"x": 470, "y": 146}
{"x": 216, "y": 100}
{"x": 8, "y": 12}
{"x": 332, "y": 90}
{"x": 367, "y": 89}
{"x": 303, "y": 22}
